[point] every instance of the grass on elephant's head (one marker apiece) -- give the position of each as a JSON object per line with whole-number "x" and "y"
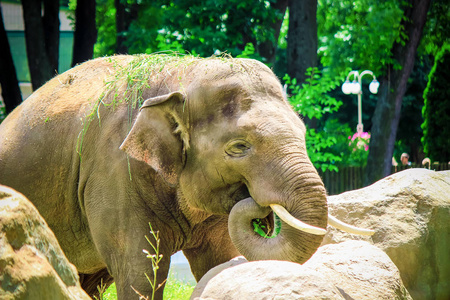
{"x": 127, "y": 83}
{"x": 174, "y": 290}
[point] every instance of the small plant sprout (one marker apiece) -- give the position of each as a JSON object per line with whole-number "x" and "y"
{"x": 101, "y": 290}
{"x": 155, "y": 257}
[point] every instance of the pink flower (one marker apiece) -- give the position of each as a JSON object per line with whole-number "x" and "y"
{"x": 362, "y": 138}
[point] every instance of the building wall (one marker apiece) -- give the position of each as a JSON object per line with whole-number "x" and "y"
{"x": 13, "y": 17}
{"x": 14, "y": 25}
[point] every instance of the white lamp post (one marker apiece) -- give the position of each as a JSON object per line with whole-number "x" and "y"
{"x": 354, "y": 87}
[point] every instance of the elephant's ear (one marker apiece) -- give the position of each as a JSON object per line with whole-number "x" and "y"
{"x": 159, "y": 136}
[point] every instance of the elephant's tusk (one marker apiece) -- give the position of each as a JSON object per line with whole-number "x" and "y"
{"x": 332, "y": 221}
{"x": 348, "y": 228}
{"x": 288, "y": 218}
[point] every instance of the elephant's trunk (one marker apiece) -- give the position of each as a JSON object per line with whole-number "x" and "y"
{"x": 304, "y": 217}
{"x": 290, "y": 244}
{"x": 304, "y": 197}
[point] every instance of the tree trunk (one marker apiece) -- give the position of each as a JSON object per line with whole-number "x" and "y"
{"x": 42, "y": 39}
{"x": 124, "y": 16}
{"x": 302, "y": 43}
{"x": 268, "y": 48}
{"x": 85, "y": 34}
{"x": 392, "y": 88}
{"x": 302, "y": 38}
{"x": 11, "y": 94}
{"x": 50, "y": 21}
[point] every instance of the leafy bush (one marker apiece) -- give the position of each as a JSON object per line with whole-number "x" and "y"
{"x": 249, "y": 52}
{"x": 199, "y": 27}
{"x": 311, "y": 100}
{"x": 2, "y": 110}
{"x": 348, "y": 146}
{"x": 359, "y": 149}
{"x": 436, "y": 111}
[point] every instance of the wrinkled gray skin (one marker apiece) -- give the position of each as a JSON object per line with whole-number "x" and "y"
{"x": 212, "y": 133}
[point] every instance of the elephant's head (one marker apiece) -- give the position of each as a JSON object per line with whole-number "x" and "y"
{"x": 231, "y": 144}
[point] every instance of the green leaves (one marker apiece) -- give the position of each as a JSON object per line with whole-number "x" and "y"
{"x": 202, "y": 28}
{"x": 358, "y": 34}
{"x": 2, "y": 110}
{"x": 318, "y": 145}
{"x": 249, "y": 52}
{"x": 261, "y": 227}
{"x": 313, "y": 101}
{"x": 436, "y": 125}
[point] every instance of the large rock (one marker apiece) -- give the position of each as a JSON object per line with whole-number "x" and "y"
{"x": 410, "y": 212}
{"x": 32, "y": 264}
{"x": 350, "y": 270}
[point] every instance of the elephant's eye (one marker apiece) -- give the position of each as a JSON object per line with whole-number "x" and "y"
{"x": 237, "y": 148}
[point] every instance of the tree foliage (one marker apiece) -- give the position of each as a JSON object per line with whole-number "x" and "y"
{"x": 392, "y": 90}
{"x": 437, "y": 29}
{"x": 358, "y": 34}
{"x": 311, "y": 100}
{"x": 436, "y": 112}
{"x": 202, "y": 28}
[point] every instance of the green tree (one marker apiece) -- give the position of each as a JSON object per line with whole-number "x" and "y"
{"x": 392, "y": 89}
{"x": 357, "y": 34}
{"x": 437, "y": 29}
{"x": 436, "y": 112}
{"x": 106, "y": 28}
{"x": 382, "y": 37}
{"x": 202, "y": 28}
{"x": 310, "y": 99}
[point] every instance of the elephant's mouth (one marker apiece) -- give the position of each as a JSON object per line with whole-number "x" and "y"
{"x": 267, "y": 227}
{"x": 258, "y": 234}
{"x": 240, "y": 193}
{"x": 270, "y": 225}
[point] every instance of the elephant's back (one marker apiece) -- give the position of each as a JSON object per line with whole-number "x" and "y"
{"x": 68, "y": 94}
{"x": 38, "y": 140}
{"x": 39, "y": 155}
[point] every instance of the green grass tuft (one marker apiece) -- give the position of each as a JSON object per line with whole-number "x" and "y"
{"x": 177, "y": 290}
{"x": 174, "y": 290}
{"x": 110, "y": 293}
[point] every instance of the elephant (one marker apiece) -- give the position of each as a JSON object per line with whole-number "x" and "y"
{"x": 200, "y": 148}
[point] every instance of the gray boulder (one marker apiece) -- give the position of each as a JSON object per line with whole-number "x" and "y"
{"x": 350, "y": 270}
{"x": 410, "y": 213}
{"x": 32, "y": 264}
